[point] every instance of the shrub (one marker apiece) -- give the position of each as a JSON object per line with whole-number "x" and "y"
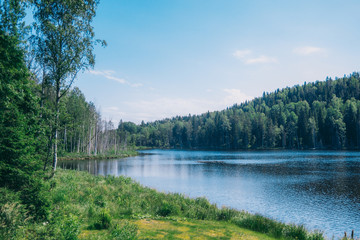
{"x": 100, "y": 201}
{"x": 102, "y": 221}
{"x": 316, "y": 236}
{"x": 11, "y": 220}
{"x": 71, "y": 227}
{"x": 274, "y": 228}
{"x": 167, "y": 209}
{"x": 295, "y": 232}
{"x": 226, "y": 214}
{"x": 124, "y": 231}
{"x": 260, "y": 224}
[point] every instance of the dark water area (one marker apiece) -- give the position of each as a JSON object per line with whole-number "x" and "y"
{"x": 320, "y": 189}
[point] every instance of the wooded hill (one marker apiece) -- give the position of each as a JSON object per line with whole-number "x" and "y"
{"x": 320, "y": 115}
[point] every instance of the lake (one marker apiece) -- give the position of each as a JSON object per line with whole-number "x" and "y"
{"x": 320, "y": 189}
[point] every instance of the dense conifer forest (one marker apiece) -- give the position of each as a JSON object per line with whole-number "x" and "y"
{"x": 319, "y": 115}
{"x": 41, "y": 115}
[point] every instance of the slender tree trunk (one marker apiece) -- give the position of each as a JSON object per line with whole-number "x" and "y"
{"x": 96, "y": 142}
{"x": 72, "y": 142}
{"x": 57, "y": 112}
{"x": 115, "y": 142}
{"x": 48, "y": 154}
{"x": 65, "y": 139}
{"x": 78, "y": 146}
{"x": 89, "y": 149}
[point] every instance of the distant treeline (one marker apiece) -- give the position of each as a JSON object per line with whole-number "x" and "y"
{"x": 82, "y": 130}
{"x": 320, "y": 115}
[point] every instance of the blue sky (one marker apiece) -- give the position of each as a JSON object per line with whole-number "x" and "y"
{"x": 174, "y": 57}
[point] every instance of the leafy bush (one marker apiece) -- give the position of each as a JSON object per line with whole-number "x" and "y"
{"x": 11, "y": 219}
{"x": 124, "y": 231}
{"x": 226, "y": 214}
{"x": 71, "y": 228}
{"x": 274, "y": 228}
{"x": 167, "y": 209}
{"x": 100, "y": 201}
{"x": 21, "y": 133}
{"x": 295, "y": 232}
{"x": 103, "y": 220}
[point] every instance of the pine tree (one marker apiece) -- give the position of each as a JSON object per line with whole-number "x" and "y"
{"x": 20, "y": 163}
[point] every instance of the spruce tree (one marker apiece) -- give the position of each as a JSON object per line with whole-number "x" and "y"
{"x": 20, "y": 163}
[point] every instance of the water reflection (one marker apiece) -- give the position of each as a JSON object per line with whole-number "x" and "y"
{"x": 318, "y": 189}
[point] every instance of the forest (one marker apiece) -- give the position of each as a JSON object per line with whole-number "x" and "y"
{"x": 319, "y": 115}
{"x": 42, "y": 116}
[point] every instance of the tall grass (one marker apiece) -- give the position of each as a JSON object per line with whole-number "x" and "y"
{"x": 90, "y": 196}
{"x": 81, "y": 201}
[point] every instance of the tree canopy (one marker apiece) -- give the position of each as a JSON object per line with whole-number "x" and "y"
{"x": 63, "y": 46}
{"x": 323, "y": 114}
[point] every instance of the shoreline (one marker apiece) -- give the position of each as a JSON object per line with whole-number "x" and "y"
{"x": 100, "y": 156}
{"x": 106, "y": 203}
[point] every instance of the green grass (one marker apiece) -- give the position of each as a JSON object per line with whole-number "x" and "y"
{"x": 95, "y": 207}
{"x": 194, "y": 229}
{"x": 110, "y": 155}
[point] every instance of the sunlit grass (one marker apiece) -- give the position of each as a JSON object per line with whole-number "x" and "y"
{"x": 104, "y": 204}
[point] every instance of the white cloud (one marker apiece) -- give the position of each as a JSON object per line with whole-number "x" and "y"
{"x": 109, "y": 74}
{"x": 120, "y": 80}
{"x": 308, "y": 50}
{"x": 167, "y": 107}
{"x": 261, "y": 59}
{"x": 241, "y": 53}
{"x": 234, "y": 96}
{"x": 137, "y": 85}
{"x": 247, "y": 57}
{"x": 104, "y": 73}
{"x": 111, "y": 109}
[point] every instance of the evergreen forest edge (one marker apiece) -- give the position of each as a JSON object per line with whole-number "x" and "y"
{"x": 319, "y": 115}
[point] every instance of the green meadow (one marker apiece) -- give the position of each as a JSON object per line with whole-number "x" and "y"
{"x": 84, "y": 206}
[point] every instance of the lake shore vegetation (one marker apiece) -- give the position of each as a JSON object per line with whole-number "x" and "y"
{"x": 83, "y": 206}
{"x": 108, "y": 155}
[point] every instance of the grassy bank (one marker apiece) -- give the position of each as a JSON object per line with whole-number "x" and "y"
{"x": 96, "y": 207}
{"x": 81, "y": 156}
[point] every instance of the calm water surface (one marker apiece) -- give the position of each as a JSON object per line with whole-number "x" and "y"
{"x": 319, "y": 189}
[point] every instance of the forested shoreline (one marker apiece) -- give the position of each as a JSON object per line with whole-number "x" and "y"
{"x": 41, "y": 115}
{"x": 319, "y": 115}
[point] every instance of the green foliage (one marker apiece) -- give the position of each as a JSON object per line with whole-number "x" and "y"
{"x": 77, "y": 214}
{"x": 226, "y": 214}
{"x": 63, "y": 43}
{"x": 124, "y": 231}
{"x": 21, "y": 164}
{"x": 126, "y": 200}
{"x": 102, "y": 220}
{"x": 12, "y": 215}
{"x": 70, "y": 227}
{"x": 295, "y": 232}
{"x": 167, "y": 208}
{"x": 314, "y": 115}
{"x": 274, "y": 228}
{"x": 11, "y": 14}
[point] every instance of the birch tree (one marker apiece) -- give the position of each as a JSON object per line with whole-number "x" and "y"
{"x": 64, "y": 43}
